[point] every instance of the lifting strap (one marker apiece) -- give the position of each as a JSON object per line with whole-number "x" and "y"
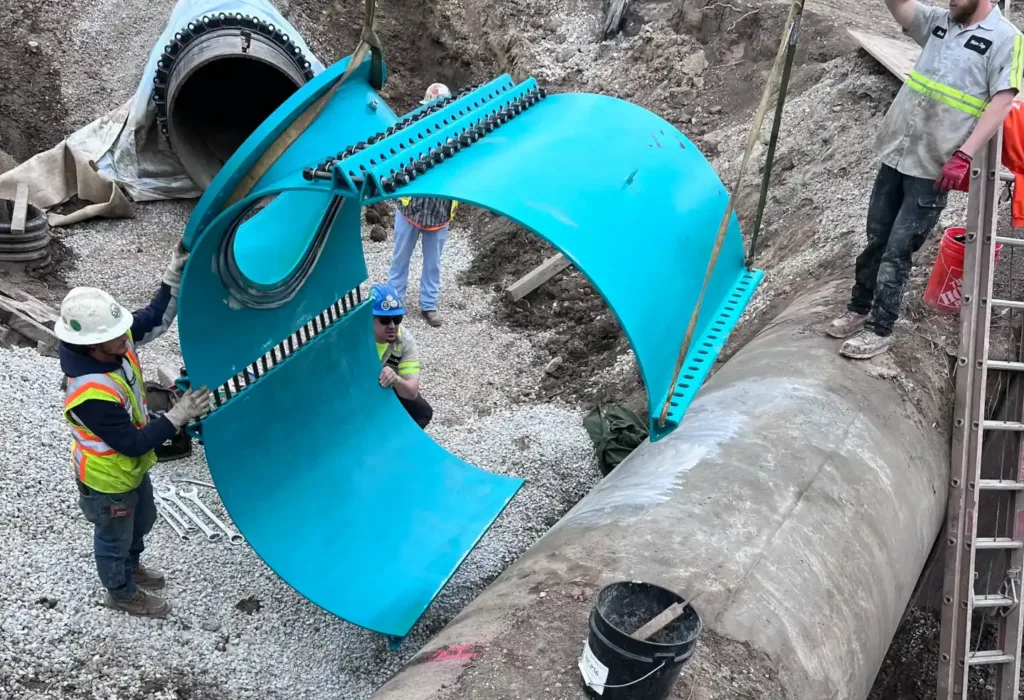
{"x": 795, "y": 10}
{"x": 368, "y": 43}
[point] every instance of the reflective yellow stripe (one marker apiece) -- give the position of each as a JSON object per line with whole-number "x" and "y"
{"x": 948, "y": 91}
{"x": 1017, "y": 64}
{"x": 946, "y": 95}
{"x": 409, "y": 367}
{"x": 405, "y": 201}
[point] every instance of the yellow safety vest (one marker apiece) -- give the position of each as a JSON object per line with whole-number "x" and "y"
{"x": 96, "y": 465}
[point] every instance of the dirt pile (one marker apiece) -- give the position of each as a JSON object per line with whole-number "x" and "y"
{"x": 32, "y": 115}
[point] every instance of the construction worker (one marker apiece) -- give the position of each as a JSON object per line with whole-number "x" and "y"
{"x": 427, "y": 218}
{"x": 952, "y": 103}
{"x": 113, "y": 438}
{"x": 398, "y": 354}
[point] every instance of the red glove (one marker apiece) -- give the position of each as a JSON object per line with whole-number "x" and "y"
{"x": 954, "y": 172}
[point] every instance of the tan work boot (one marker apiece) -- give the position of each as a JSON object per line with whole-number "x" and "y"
{"x": 142, "y": 604}
{"x": 148, "y": 578}
{"x": 846, "y": 325}
{"x": 433, "y": 318}
{"x": 865, "y": 345}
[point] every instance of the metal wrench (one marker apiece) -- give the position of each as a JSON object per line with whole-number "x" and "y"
{"x": 171, "y": 495}
{"x": 234, "y": 537}
{"x": 162, "y": 510}
{"x": 186, "y": 526}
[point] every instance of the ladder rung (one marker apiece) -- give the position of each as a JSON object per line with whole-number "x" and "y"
{"x": 1010, "y": 425}
{"x": 997, "y": 543}
{"x": 1000, "y": 485}
{"x": 993, "y": 601}
{"x": 989, "y": 656}
{"x": 1008, "y": 366}
{"x": 1007, "y": 303}
{"x": 1009, "y": 241}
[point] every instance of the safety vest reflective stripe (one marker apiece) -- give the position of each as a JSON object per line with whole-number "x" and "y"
{"x": 100, "y": 383}
{"x": 948, "y": 96}
{"x": 97, "y": 465}
{"x": 1017, "y": 63}
{"x": 409, "y": 367}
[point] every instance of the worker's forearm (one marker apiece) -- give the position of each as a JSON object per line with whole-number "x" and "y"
{"x": 991, "y": 119}
{"x": 408, "y": 387}
{"x": 110, "y": 423}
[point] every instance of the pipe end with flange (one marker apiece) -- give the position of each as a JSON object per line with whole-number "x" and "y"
{"x": 219, "y": 78}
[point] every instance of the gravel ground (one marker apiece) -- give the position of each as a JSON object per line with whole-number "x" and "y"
{"x": 57, "y": 641}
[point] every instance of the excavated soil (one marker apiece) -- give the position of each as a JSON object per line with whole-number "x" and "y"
{"x": 32, "y": 115}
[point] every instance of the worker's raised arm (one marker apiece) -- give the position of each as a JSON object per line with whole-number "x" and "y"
{"x": 902, "y": 11}
{"x": 151, "y": 322}
{"x": 917, "y": 19}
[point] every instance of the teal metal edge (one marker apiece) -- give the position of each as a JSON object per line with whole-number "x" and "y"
{"x": 706, "y": 349}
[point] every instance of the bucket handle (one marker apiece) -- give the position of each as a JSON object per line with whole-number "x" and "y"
{"x": 626, "y": 685}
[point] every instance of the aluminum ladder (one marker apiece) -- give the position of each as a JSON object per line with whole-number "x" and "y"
{"x": 959, "y": 599}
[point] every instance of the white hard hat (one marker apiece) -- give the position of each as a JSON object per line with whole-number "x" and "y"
{"x": 435, "y": 92}
{"x": 90, "y": 316}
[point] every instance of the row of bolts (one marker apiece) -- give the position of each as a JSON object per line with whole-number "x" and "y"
{"x": 289, "y": 345}
{"x": 409, "y": 171}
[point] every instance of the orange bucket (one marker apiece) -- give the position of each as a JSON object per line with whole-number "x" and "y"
{"x": 945, "y": 286}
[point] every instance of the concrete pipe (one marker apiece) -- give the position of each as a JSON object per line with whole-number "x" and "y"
{"x": 219, "y": 79}
{"x": 797, "y": 502}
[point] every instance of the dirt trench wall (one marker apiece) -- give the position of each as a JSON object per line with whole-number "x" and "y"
{"x": 798, "y": 502}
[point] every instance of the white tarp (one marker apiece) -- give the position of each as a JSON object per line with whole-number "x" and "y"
{"x": 125, "y": 146}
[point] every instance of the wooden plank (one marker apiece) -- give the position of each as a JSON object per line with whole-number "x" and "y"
{"x": 26, "y": 303}
{"x": 29, "y": 327}
{"x": 615, "y": 13}
{"x": 20, "y": 209}
{"x": 660, "y": 621}
{"x": 536, "y": 277}
{"x": 898, "y": 56}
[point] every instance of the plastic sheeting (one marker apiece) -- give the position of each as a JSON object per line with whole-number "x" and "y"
{"x": 125, "y": 146}
{"x": 141, "y": 159}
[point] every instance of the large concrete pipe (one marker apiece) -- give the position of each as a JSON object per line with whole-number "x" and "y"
{"x": 219, "y": 79}
{"x": 797, "y": 502}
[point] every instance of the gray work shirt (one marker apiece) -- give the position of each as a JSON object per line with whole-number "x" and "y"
{"x": 959, "y": 71}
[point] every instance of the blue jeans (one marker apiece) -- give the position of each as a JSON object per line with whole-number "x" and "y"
{"x": 902, "y": 211}
{"x": 406, "y": 235}
{"x": 121, "y": 520}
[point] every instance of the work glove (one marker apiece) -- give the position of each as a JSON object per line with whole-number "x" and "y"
{"x": 193, "y": 404}
{"x": 172, "y": 275}
{"x": 954, "y": 172}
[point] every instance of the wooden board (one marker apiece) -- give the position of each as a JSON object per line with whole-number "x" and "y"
{"x": 15, "y": 299}
{"x": 536, "y": 277}
{"x": 897, "y": 55}
{"x": 20, "y": 209}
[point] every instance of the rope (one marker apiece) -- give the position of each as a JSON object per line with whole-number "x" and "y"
{"x": 626, "y": 685}
{"x": 795, "y": 9}
{"x": 769, "y": 159}
{"x": 368, "y": 43}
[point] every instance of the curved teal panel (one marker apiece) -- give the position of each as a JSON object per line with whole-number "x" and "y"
{"x": 271, "y": 312}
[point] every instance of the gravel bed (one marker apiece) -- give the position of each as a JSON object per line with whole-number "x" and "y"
{"x": 55, "y": 639}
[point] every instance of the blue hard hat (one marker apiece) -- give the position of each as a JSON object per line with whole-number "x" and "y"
{"x": 386, "y": 301}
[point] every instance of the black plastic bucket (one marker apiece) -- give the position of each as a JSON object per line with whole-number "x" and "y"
{"x": 615, "y": 666}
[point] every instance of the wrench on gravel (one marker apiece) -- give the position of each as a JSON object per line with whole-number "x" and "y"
{"x": 162, "y": 510}
{"x": 171, "y": 495}
{"x": 187, "y": 527}
{"x": 234, "y": 537}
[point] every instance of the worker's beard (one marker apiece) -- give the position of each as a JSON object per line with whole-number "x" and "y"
{"x": 963, "y": 10}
